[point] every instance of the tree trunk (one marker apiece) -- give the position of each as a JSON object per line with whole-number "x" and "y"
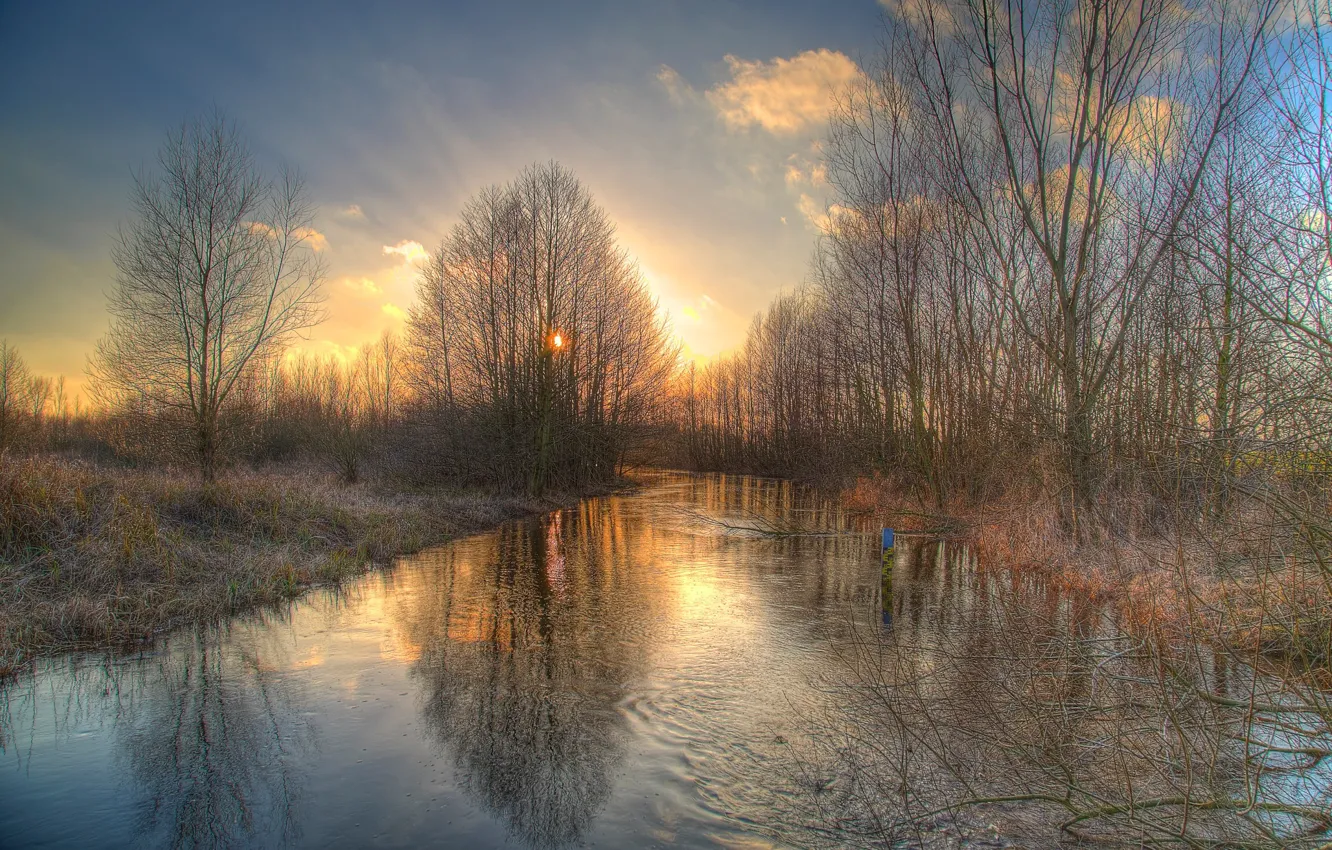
{"x": 207, "y": 435}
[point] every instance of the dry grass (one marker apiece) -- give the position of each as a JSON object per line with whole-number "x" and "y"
{"x": 91, "y": 557}
{"x": 1259, "y": 581}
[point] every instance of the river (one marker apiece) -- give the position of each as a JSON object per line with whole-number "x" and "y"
{"x": 703, "y": 662}
{"x": 623, "y": 674}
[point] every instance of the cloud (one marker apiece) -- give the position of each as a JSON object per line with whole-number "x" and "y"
{"x": 362, "y": 286}
{"x": 783, "y": 96}
{"x": 352, "y": 211}
{"x": 391, "y": 309}
{"x": 316, "y": 240}
{"x": 803, "y": 172}
{"x": 410, "y": 250}
{"x": 1148, "y": 128}
{"x": 696, "y": 311}
{"x": 823, "y": 216}
{"x": 920, "y": 14}
{"x": 1154, "y": 127}
{"x": 311, "y": 237}
{"x": 675, "y": 85}
{"x": 1056, "y": 184}
{"x": 814, "y": 211}
{"x": 322, "y": 348}
{"x": 1314, "y": 220}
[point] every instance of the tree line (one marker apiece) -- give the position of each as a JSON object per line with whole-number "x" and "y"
{"x": 535, "y": 357}
{"x": 1074, "y": 246}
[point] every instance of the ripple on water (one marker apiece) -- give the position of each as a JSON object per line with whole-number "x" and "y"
{"x": 620, "y": 674}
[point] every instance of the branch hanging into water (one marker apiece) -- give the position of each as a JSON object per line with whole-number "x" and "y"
{"x": 768, "y": 526}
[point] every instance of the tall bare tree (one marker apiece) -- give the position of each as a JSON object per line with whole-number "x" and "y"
{"x": 532, "y": 319}
{"x": 217, "y": 270}
{"x": 1102, "y": 118}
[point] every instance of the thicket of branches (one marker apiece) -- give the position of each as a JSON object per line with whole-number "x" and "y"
{"x": 535, "y": 358}
{"x": 33, "y": 408}
{"x": 1079, "y": 247}
{"x": 535, "y": 347}
{"x": 214, "y": 273}
{"x": 1078, "y": 250}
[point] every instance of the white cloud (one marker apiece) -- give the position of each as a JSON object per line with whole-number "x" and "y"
{"x": 410, "y": 250}
{"x": 783, "y": 96}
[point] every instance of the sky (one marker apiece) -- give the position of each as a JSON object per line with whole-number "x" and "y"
{"x": 696, "y": 126}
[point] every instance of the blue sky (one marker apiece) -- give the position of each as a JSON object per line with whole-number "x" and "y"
{"x": 695, "y": 124}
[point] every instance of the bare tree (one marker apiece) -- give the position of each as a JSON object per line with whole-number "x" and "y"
{"x": 531, "y": 320}
{"x": 14, "y": 395}
{"x": 217, "y": 270}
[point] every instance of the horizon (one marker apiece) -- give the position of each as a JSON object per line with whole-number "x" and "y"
{"x": 699, "y": 141}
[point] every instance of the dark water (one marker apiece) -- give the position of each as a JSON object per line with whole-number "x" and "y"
{"x": 624, "y": 674}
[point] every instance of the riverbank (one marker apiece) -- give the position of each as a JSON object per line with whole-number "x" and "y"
{"x": 92, "y": 557}
{"x": 1257, "y": 579}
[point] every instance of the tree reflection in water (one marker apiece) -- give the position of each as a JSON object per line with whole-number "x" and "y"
{"x": 524, "y": 661}
{"x": 207, "y": 730}
{"x": 1000, "y": 701}
{"x": 213, "y": 744}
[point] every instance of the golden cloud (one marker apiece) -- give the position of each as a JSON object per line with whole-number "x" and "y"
{"x": 803, "y": 172}
{"x": 824, "y": 217}
{"x": 316, "y": 240}
{"x": 1154, "y": 126}
{"x": 362, "y": 285}
{"x": 1314, "y": 220}
{"x": 674, "y": 84}
{"x": 391, "y": 309}
{"x": 1149, "y": 128}
{"x": 784, "y": 95}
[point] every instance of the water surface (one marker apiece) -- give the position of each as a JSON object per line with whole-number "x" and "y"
{"x": 628, "y": 673}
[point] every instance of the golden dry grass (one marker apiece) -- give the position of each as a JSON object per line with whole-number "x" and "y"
{"x": 1260, "y": 582}
{"x": 93, "y": 557}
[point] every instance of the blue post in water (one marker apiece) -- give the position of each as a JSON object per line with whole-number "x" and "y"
{"x": 886, "y": 596}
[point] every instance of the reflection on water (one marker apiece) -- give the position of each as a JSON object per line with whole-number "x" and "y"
{"x": 998, "y": 697}
{"x": 527, "y": 647}
{"x": 227, "y": 768}
{"x": 645, "y": 670}
{"x": 626, "y": 673}
{"x": 206, "y": 737}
